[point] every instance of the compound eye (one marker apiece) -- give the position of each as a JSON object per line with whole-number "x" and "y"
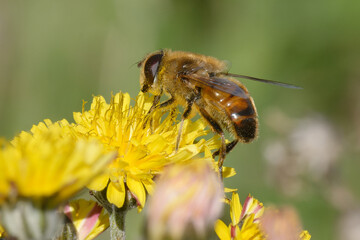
{"x": 151, "y": 67}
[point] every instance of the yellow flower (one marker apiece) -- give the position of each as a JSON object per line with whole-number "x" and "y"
{"x": 49, "y": 165}
{"x": 142, "y": 151}
{"x": 41, "y": 170}
{"x": 88, "y": 217}
{"x": 244, "y": 220}
{"x": 187, "y": 200}
{"x": 252, "y": 222}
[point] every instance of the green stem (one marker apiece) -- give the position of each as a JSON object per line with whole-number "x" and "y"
{"x": 116, "y": 215}
{"x": 68, "y": 232}
{"x": 117, "y": 223}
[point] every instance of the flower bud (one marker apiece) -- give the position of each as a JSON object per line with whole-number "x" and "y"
{"x": 187, "y": 198}
{"x": 281, "y": 224}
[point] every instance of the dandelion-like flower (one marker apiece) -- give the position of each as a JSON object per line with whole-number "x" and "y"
{"x": 41, "y": 170}
{"x": 88, "y": 218}
{"x": 143, "y": 151}
{"x": 244, "y": 220}
{"x": 49, "y": 165}
{"x": 251, "y": 222}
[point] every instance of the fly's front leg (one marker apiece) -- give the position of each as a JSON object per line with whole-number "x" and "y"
{"x": 152, "y": 108}
{"x": 216, "y": 127}
{"x": 156, "y": 106}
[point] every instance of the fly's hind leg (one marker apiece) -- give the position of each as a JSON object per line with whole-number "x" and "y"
{"x": 223, "y": 148}
{"x": 229, "y": 147}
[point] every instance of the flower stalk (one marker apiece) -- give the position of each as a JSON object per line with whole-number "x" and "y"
{"x": 116, "y": 215}
{"x": 117, "y": 223}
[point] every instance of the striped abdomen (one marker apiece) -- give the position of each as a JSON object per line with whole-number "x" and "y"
{"x": 243, "y": 115}
{"x": 239, "y": 108}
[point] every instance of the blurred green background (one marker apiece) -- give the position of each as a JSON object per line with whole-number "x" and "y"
{"x": 54, "y": 54}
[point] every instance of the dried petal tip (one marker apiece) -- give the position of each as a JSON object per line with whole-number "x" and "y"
{"x": 187, "y": 200}
{"x": 252, "y": 206}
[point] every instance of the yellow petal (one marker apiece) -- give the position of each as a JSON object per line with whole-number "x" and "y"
{"x": 137, "y": 189}
{"x": 222, "y": 230}
{"x": 149, "y": 186}
{"x": 228, "y": 172}
{"x": 305, "y": 235}
{"x": 116, "y": 193}
{"x": 186, "y": 152}
{"x": 228, "y": 190}
{"x": 99, "y": 183}
{"x": 192, "y": 131}
{"x": 156, "y": 142}
{"x": 214, "y": 143}
{"x": 235, "y": 209}
{"x": 239, "y": 236}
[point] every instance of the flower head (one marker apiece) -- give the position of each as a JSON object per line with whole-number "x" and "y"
{"x": 41, "y": 170}
{"x": 142, "y": 151}
{"x": 49, "y": 165}
{"x": 244, "y": 220}
{"x": 251, "y": 221}
{"x": 187, "y": 197}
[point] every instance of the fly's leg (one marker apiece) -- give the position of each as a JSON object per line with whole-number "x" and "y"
{"x": 229, "y": 147}
{"x": 216, "y": 127}
{"x": 185, "y": 115}
{"x": 156, "y": 106}
{"x": 152, "y": 108}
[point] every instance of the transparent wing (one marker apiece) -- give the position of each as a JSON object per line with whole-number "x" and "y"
{"x": 220, "y": 83}
{"x": 263, "y": 80}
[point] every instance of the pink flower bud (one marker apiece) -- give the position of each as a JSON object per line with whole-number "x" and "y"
{"x": 186, "y": 197}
